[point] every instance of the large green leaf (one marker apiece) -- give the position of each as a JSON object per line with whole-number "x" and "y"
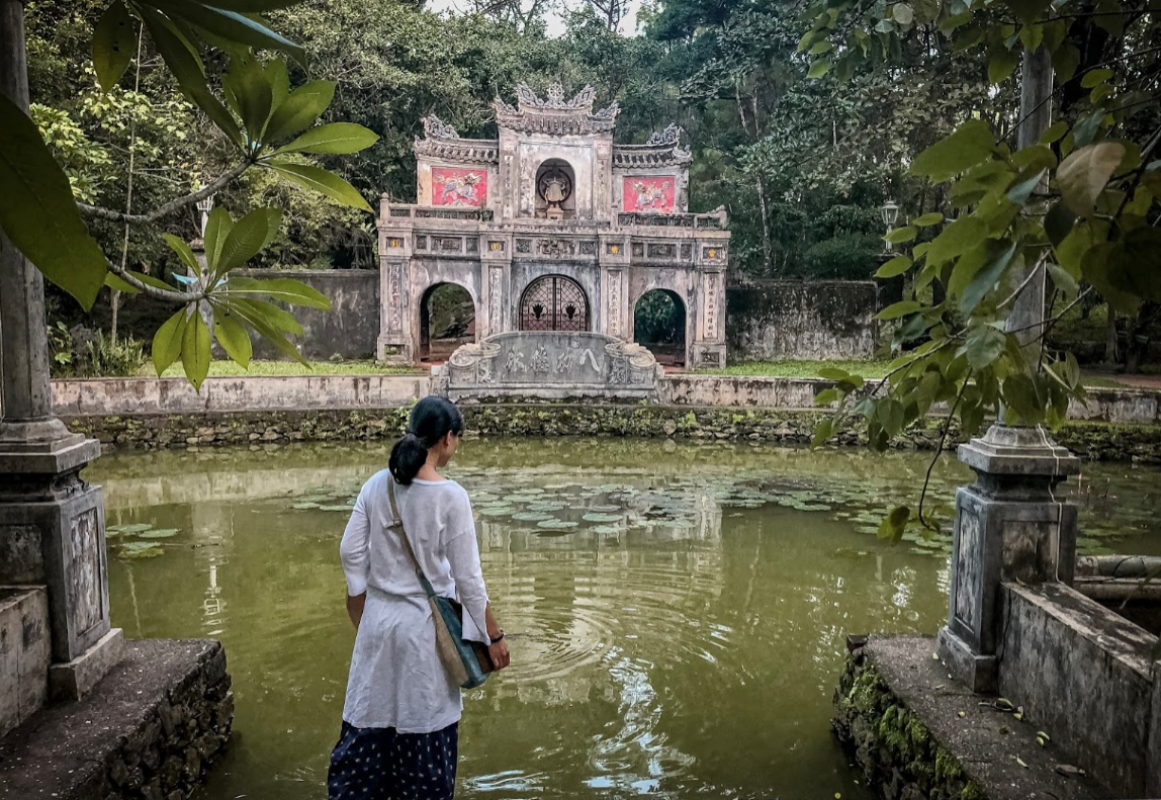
{"x": 184, "y": 252}
{"x": 257, "y": 319}
{"x": 283, "y": 290}
{"x": 114, "y": 41}
{"x": 167, "y": 341}
{"x": 244, "y": 241}
{"x": 1135, "y": 263}
{"x": 984, "y": 345}
{"x": 248, "y": 84}
{"x": 968, "y": 145}
{"x": 230, "y": 25}
{"x": 900, "y": 309}
{"x": 255, "y": 6}
{"x": 279, "y": 79}
{"x": 1085, "y": 173}
{"x": 278, "y": 318}
{"x": 195, "y": 350}
{"x": 233, "y": 338}
{"x": 336, "y": 138}
{"x": 299, "y": 111}
{"x": 323, "y": 181}
{"x": 985, "y": 280}
{"x": 218, "y": 228}
{"x": 956, "y": 238}
{"x": 38, "y": 212}
{"x": 896, "y": 266}
{"x": 188, "y": 70}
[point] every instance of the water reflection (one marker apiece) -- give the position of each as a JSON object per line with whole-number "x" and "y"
{"x": 677, "y": 614}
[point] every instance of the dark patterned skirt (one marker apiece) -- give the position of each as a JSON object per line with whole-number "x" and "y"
{"x": 381, "y": 764}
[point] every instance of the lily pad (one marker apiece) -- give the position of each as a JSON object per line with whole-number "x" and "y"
{"x": 532, "y": 516}
{"x": 335, "y": 508}
{"x": 137, "y": 527}
{"x": 557, "y": 525}
{"x": 160, "y": 533}
{"x": 607, "y": 530}
{"x": 149, "y": 552}
{"x": 130, "y": 547}
{"x": 602, "y": 517}
{"x": 498, "y": 511}
{"x": 301, "y": 506}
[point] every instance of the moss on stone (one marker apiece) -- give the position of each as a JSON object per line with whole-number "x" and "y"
{"x": 1092, "y": 440}
{"x": 896, "y": 751}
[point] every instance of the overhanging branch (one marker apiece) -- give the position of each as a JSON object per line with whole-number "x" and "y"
{"x": 167, "y": 208}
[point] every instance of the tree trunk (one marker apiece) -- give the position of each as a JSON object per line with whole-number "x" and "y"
{"x": 767, "y": 267}
{"x": 1111, "y": 338}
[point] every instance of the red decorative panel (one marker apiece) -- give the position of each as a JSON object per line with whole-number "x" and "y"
{"x": 458, "y": 187}
{"x": 650, "y": 194}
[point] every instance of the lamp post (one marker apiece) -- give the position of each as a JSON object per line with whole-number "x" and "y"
{"x": 890, "y": 213}
{"x": 205, "y": 206}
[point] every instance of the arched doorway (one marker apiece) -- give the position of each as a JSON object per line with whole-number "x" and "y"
{"x": 447, "y": 319}
{"x": 659, "y": 323}
{"x": 555, "y": 190}
{"x": 554, "y": 303}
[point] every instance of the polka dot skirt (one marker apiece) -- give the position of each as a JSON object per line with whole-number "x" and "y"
{"x": 381, "y": 764}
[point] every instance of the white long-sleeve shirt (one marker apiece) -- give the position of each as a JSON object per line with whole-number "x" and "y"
{"x": 397, "y": 680}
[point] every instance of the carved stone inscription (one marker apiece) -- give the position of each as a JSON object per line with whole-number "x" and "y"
{"x": 711, "y": 306}
{"x": 615, "y": 302}
{"x": 968, "y": 569}
{"x": 395, "y": 294}
{"x": 84, "y": 576}
{"x": 496, "y": 300}
{"x": 553, "y": 358}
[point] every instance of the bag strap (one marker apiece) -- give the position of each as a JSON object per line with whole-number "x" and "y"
{"x": 423, "y": 581}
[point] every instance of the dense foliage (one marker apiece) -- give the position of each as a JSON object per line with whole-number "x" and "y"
{"x": 801, "y": 138}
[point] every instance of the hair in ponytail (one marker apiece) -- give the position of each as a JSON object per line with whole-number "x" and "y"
{"x": 432, "y": 419}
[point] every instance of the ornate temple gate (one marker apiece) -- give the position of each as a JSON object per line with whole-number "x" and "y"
{"x": 552, "y": 227}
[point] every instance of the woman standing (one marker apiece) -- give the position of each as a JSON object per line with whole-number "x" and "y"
{"x": 401, "y": 717}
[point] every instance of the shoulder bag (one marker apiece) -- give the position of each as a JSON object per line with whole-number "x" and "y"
{"x": 467, "y": 663}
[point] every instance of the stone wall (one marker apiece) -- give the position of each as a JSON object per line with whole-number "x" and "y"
{"x": 148, "y": 731}
{"x": 1093, "y": 441}
{"x": 127, "y": 396}
{"x": 349, "y": 329}
{"x": 25, "y": 653}
{"x": 1083, "y": 675}
{"x": 915, "y": 734}
{"x": 817, "y": 320}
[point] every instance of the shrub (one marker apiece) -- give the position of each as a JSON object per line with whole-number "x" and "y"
{"x": 848, "y": 256}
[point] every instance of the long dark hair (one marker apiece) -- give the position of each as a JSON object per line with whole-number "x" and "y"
{"x": 432, "y": 419}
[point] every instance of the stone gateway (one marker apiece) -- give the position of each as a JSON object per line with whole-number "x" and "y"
{"x": 553, "y": 228}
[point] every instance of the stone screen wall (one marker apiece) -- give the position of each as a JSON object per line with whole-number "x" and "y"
{"x": 350, "y": 328}
{"x": 780, "y": 320}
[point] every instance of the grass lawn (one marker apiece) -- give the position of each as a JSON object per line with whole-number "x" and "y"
{"x": 226, "y": 368}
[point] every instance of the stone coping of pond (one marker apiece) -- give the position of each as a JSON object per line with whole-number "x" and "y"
{"x": 148, "y": 729}
{"x": 995, "y": 754}
{"x": 144, "y": 396}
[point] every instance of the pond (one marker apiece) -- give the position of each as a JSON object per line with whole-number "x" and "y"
{"x": 677, "y": 612}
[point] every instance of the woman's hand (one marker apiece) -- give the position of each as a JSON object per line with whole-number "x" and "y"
{"x": 355, "y": 608}
{"x": 498, "y": 652}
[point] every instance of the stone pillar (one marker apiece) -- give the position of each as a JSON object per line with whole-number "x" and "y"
{"x": 396, "y": 240}
{"x": 52, "y": 525}
{"x": 492, "y": 317}
{"x": 708, "y": 349}
{"x": 1009, "y": 526}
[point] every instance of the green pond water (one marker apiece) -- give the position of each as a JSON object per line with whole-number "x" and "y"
{"x": 677, "y": 613}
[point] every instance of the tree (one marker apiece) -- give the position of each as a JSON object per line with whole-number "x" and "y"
{"x": 265, "y": 123}
{"x": 1076, "y": 204}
